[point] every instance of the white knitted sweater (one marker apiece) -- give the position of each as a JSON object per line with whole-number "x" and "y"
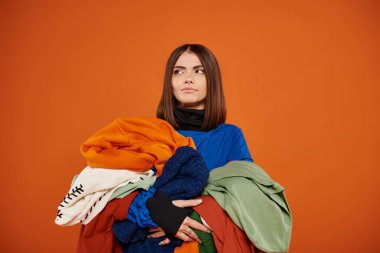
{"x": 91, "y": 191}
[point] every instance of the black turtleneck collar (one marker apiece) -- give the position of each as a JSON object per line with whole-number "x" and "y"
{"x": 188, "y": 119}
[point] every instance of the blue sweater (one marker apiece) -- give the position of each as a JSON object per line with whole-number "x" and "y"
{"x": 221, "y": 145}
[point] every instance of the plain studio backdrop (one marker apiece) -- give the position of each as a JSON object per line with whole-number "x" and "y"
{"x": 301, "y": 79}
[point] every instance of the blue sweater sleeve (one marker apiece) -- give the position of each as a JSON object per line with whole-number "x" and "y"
{"x": 239, "y": 149}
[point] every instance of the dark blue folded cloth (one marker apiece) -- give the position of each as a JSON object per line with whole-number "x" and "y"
{"x": 184, "y": 176}
{"x": 151, "y": 245}
{"x": 129, "y": 232}
{"x": 134, "y": 239}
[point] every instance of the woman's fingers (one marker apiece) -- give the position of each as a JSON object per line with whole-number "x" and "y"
{"x": 185, "y": 231}
{"x": 156, "y": 234}
{"x": 187, "y": 203}
{"x": 195, "y": 224}
{"x": 190, "y": 233}
{"x": 164, "y": 242}
{"x": 150, "y": 230}
{"x": 184, "y": 237}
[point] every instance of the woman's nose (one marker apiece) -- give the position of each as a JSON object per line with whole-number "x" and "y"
{"x": 189, "y": 79}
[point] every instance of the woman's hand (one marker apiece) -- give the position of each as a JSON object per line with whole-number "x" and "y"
{"x": 185, "y": 231}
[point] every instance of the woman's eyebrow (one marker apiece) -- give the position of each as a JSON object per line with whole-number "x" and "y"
{"x": 195, "y": 67}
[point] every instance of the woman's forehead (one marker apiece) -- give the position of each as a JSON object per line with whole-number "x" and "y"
{"x": 187, "y": 59}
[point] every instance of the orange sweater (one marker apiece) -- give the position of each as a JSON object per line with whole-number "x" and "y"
{"x": 135, "y": 143}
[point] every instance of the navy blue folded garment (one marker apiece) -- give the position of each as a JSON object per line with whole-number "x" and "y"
{"x": 184, "y": 176}
{"x": 134, "y": 239}
{"x": 129, "y": 232}
{"x": 150, "y": 245}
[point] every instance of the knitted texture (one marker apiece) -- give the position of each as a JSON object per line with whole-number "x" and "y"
{"x": 184, "y": 176}
{"x": 91, "y": 191}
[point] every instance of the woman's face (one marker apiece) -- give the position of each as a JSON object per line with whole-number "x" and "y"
{"x": 189, "y": 81}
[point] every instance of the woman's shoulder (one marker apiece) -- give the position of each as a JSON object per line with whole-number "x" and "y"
{"x": 221, "y": 130}
{"x": 228, "y": 127}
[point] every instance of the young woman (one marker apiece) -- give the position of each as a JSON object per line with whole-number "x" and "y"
{"x": 193, "y": 103}
{"x": 244, "y": 208}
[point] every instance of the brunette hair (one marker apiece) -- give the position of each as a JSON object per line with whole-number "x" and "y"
{"x": 215, "y": 106}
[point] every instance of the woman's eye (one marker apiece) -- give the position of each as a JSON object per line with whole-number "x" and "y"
{"x": 177, "y": 71}
{"x": 181, "y": 71}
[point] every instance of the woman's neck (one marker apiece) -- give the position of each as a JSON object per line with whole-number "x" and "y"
{"x": 188, "y": 118}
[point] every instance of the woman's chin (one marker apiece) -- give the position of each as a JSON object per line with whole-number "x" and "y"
{"x": 193, "y": 105}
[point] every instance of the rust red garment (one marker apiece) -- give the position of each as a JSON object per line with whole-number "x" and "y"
{"x": 228, "y": 237}
{"x": 97, "y": 236}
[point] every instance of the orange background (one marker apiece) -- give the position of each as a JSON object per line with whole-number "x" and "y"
{"x": 301, "y": 79}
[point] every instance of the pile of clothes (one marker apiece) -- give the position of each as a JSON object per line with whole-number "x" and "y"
{"x": 132, "y": 161}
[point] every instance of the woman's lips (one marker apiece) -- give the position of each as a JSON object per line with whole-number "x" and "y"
{"x": 188, "y": 90}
